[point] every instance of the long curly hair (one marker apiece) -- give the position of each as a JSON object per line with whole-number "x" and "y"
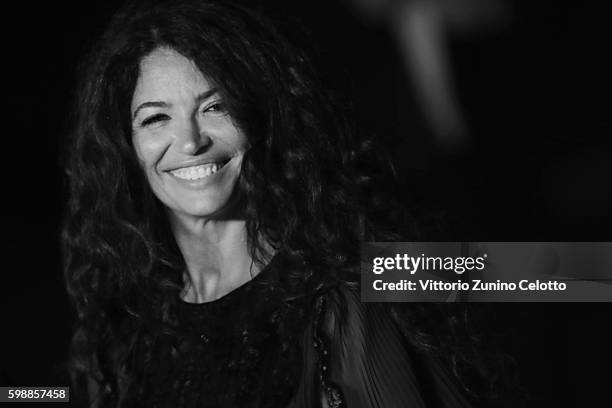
{"x": 310, "y": 187}
{"x": 302, "y": 184}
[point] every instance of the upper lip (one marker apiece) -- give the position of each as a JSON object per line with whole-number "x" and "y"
{"x": 198, "y": 162}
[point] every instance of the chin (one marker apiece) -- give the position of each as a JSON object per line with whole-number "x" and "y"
{"x": 205, "y": 210}
{"x": 213, "y": 205}
{"x": 215, "y": 201}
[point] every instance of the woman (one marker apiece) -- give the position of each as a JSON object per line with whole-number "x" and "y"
{"x": 216, "y": 209}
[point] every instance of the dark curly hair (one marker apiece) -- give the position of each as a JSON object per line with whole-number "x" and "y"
{"x": 309, "y": 187}
{"x": 302, "y": 186}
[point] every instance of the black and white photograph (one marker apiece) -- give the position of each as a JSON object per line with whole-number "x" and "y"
{"x": 306, "y": 204}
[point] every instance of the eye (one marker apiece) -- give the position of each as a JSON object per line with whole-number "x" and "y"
{"x": 154, "y": 119}
{"x": 215, "y": 107}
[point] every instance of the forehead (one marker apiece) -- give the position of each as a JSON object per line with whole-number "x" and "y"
{"x": 165, "y": 75}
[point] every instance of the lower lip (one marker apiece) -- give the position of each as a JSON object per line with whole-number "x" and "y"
{"x": 200, "y": 183}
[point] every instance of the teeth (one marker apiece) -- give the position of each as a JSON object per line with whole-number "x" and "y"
{"x": 196, "y": 172}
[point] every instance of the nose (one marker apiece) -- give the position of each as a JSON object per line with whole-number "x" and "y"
{"x": 191, "y": 139}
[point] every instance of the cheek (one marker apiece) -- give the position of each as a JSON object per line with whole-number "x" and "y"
{"x": 149, "y": 149}
{"x": 239, "y": 141}
{"x": 228, "y": 134}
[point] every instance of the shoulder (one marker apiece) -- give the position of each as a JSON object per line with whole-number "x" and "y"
{"x": 344, "y": 314}
{"x": 370, "y": 361}
{"x": 355, "y": 326}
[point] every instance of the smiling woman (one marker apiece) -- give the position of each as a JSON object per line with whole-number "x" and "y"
{"x": 185, "y": 139}
{"x": 218, "y": 200}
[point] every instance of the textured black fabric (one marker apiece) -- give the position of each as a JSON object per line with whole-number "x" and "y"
{"x": 373, "y": 364}
{"x": 251, "y": 348}
{"x": 241, "y": 350}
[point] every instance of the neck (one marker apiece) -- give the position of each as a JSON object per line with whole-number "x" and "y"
{"x": 216, "y": 255}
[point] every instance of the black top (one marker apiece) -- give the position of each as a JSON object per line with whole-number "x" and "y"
{"x": 254, "y": 348}
{"x": 240, "y": 350}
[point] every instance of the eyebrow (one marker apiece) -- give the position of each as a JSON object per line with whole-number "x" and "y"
{"x": 161, "y": 104}
{"x": 151, "y": 104}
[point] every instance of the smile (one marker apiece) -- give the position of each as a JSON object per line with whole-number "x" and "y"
{"x": 197, "y": 172}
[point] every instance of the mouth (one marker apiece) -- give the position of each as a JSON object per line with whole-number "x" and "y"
{"x": 199, "y": 172}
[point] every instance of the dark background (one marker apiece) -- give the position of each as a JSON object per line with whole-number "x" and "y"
{"x": 537, "y": 167}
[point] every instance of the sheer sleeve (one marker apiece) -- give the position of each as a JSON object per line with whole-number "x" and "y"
{"x": 367, "y": 362}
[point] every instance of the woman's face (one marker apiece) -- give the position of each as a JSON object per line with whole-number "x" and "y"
{"x": 185, "y": 140}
